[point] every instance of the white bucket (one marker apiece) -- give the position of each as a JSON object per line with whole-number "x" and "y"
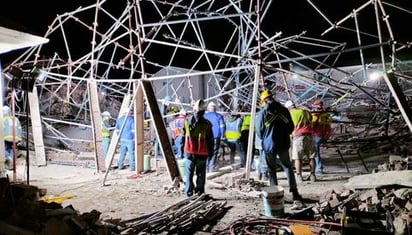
{"x": 273, "y": 201}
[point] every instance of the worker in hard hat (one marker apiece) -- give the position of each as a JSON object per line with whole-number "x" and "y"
{"x": 321, "y": 123}
{"x": 126, "y": 131}
{"x": 244, "y": 131}
{"x": 218, "y": 128}
{"x": 106, "y": 128}
{"x": 177, "y": 125}
{"x": 198, "y": 147}
{"x": 274, "y": 126}
{"x": 165, "y": 110}
{"x": 232, "y": 137}
{"x": 12, "y": 132}
{"x": 302, "y": 141}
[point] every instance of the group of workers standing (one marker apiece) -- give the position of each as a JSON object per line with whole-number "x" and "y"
{"x": 276, "y": 125}
{"x": 197, "y": 139}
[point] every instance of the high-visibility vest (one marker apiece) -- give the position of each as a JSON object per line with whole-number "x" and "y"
{"x": 233, "y": 126}
{"x": 105, "y": 128}
{"x": 8, "y": 128}
{"x": 302, "y": 120}
{"x": 245, "y": 123}
{"x": 177, "y": 126}
{"x": 195, "y": 138}
{"x": 321, "y": 124}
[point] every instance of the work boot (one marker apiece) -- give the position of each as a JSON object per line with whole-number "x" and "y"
{"x": 312, "y": 177}
{"x": 297, "y": 205}
{"x": 299, "y": 178}
{"x": 260, "y": 176}
{"x": 297, "y": 200}
{"x": 296, "y": 195}
{"x": 266, "y": 177}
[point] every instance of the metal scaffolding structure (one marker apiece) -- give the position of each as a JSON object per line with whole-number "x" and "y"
{"x": 224, "y": 43}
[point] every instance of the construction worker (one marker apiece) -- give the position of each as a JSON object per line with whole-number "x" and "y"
{"x": 262, "y": 167}
{"x": 218, "y": 127}
{"x": 233, "y": 125}
{"x": 198, "y": 147}
{"x": 106, "y": 128}
{"x": 177, "y": 126}
{"x": 165, "y": 110}
{"x": 321, "y": 124}
{"x": 302, "y": 141}
{"x": 244, "y": 131}
{"x": 126, "y": 131}
{"x": 274, "y": 126}
{"x": 12, "y": 135}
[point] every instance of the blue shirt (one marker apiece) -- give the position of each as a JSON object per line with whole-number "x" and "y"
{"x": 218, "y": 124}
{"x": 128, "y": 129}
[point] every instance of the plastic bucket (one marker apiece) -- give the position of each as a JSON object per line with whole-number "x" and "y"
{"x": 182, "y": 166}
{"x": 146, "y": 165}
{"x": 273, "y": 201}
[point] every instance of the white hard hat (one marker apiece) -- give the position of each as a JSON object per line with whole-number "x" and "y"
{"x": 6, "y": 109}
{"x": 106, "y": 114}
{"x": 199, "y": 106}
{"x": 211, "y": 104}
{"x": 289, "y": 104}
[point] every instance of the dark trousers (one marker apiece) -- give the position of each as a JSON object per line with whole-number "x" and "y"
{"x": 211, "y": 161}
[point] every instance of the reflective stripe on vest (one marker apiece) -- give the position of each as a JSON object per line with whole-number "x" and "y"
{"x": 232, "y": 129}
{"x": 177, "y": 126}
{"x": 245, "y": 123}
{"x": 195, "y": 139}
{"x": 8, "y": 129}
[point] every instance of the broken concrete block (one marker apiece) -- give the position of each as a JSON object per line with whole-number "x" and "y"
{"x": 403, "y": 193}
{"x": 368, "y": 194}
{"x": 399, "y": 225}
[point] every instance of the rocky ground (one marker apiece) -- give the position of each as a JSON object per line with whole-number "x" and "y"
{"x": 119, "y": 194}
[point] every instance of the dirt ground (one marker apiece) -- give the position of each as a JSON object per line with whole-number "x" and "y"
{"x": 121, "y": 197}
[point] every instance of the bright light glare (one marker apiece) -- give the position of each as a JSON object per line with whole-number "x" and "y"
{"x": 375, "y": 75}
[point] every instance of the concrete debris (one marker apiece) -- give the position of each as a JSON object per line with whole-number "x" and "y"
{"x": 23, "y": 212}
{"x": 388, "y": 200}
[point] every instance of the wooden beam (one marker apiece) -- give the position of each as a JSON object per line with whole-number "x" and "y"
{"x": 96, "y": 121}
{"x": 36, "y": 128}
{"x": 139, "y": 128}
{"x": 161, "y": 132}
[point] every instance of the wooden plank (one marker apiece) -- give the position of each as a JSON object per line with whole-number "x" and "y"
{"x": 139, "y": 130}
{"x": 2, "y": 147}
{"x": 161, "y": 132}
{"x": 36, "y": 128}
{"x": 96, "y": 121}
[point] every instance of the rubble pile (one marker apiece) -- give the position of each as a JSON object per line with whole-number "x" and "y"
{"x": 391, "y": 204}
{"x": 24, "y": 209}
{"x": 23, "y": 212}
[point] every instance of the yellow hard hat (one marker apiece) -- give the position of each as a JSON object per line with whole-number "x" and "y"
{"x": 265, "y": 94}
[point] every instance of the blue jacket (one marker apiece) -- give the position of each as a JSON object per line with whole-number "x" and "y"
{"x": 128, "y": 129}
{"x": 274, "y": 125}
{"x": 218, "y": 124}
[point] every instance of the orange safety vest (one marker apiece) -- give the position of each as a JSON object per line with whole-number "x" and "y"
{"x": 321, "y": 124}
{"x": 177, "y": 126}
{"x": 195, "y": 139}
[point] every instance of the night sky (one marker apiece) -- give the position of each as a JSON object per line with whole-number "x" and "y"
{"x": 291, "y": 17}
